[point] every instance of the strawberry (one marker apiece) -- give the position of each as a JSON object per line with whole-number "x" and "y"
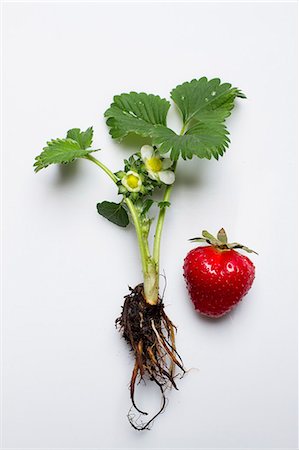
{"x": 217, "y": 276}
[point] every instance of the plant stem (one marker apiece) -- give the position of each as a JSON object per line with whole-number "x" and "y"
{"x": 160, "y": 222}
{"x": 136, "y": 221}
{"x": 150, "y": 268}
{"x": 143, "y": 244}
{"x": 103, "y": 167}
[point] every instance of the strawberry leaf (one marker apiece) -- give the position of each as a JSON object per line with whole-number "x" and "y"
{"x": 204, "y": 104}
{"x": 205, "y": 100}
{"x": 63, "y": 151}
{"x": 136, "y": 113}
{"x": 114, "y": 212}
{"x": 84, "y": 138}
{"x": 203, "y": 140}
{"x": 147, "y": 205}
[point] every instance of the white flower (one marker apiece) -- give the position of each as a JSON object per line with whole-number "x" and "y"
{"x": 132, "y": 181}
{"x": 156, "y": 166}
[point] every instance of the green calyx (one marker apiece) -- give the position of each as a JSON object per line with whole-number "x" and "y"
{"x": 220, "y": 242}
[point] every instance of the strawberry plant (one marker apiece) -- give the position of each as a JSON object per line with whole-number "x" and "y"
{"x": 204, "y": 106}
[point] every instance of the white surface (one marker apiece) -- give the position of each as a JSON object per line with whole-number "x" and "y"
{"x": 65, "y": 368}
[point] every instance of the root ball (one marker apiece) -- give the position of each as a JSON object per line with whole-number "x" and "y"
{"x": 151, "y": 336}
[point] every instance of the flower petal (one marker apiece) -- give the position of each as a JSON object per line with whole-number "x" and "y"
{"x": 153, "y": 175}
{"x": 166, "y": 163}
{"x": 167, "y": 176}
{"x": 131, "y": 172}
{"x": 146, "y": 151}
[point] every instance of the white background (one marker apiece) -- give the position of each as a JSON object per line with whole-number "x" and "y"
{"x": 66, "y": 269}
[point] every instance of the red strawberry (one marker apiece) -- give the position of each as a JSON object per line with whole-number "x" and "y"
{"x": 217, "y": 276}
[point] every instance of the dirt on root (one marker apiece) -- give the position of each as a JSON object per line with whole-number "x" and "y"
{"x": 151, "y": 336}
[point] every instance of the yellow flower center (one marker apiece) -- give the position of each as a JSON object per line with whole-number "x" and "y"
{"x": 154, "y": 164}
{"x": 132, "y": 181}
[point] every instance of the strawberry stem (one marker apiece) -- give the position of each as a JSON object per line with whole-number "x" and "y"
{"x": 160, "y": 223}
{"x": 161, "y": 217}
{"x": 149, "y": 266}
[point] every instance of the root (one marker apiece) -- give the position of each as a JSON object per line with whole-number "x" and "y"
{"x": 151, "y": 336}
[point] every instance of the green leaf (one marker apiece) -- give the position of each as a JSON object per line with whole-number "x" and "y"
{"x": 136, "y": 113}
{"x": 240, "y": 94}
{"x": 203, "y": 140}
{"x": 114, "y": 212}
{"x": 205, "y": 100}
{"x": 120, "y": 174}
{"x": 60, "y": 151}
{"x": 199, "y": 239}
{"x": 147, "y": 205}
{"x": 243, "y": 247}
{"x": 84, "y": 138}
{"x": 221, "y": 236}
{"x": 205, "y": 104}
{"x": 210, "y": 237}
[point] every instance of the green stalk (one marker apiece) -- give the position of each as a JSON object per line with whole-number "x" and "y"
{"x": 142, "y": 246}
{"x": 149, "y": 269}
{"x": 161, "y": 217}
{"x": 103, "y": 167}
{"x": 150, "y": 273}
{"x": 159, "y": 227}
{"x": 133, "y": 211}
{"x": 150, "y": 265}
